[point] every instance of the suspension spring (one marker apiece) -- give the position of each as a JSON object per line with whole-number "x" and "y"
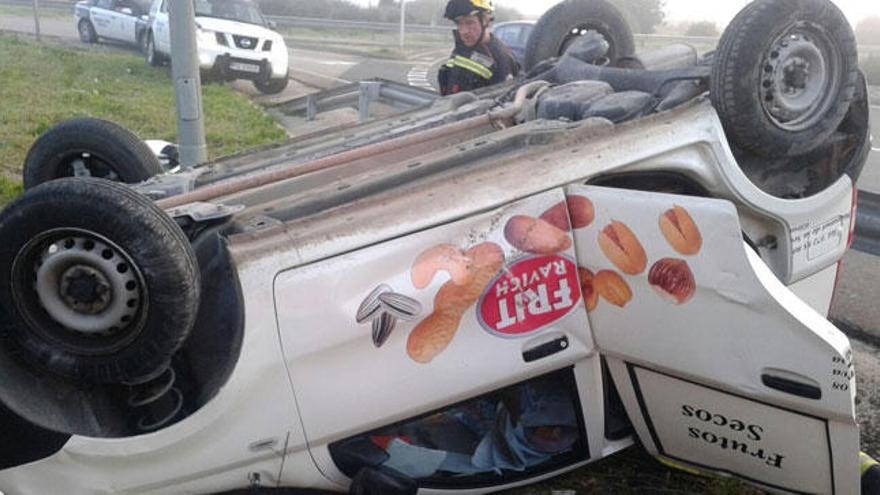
{"x": 157, "y": 402}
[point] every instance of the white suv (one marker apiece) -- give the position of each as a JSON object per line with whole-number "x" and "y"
{"x": 235, "y": 42}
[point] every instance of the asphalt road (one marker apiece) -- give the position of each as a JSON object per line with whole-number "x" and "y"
{"x": 870, "y": 179}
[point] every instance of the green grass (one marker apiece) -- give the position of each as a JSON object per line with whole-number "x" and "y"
{"x": 42, "y": 85}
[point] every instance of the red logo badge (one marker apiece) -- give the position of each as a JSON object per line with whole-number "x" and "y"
{"x": 529, "y": 295}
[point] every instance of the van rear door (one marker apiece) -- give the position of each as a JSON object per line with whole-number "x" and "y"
{"x": 720, "y": 366}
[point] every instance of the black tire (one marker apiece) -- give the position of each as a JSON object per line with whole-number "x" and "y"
{"x": 151, "y": 55}
{"x": 272, "y": 86}
{"x": 106, "y": 150}
{"x": 559, "y": 25}
{"x": 87, "y": 32}
{"x": 45, "y": 239}
{"x": 870, "y": 475}
{"x": 768, "y": 64}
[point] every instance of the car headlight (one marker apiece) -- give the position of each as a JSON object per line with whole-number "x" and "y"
{"x": 208, "y": 37}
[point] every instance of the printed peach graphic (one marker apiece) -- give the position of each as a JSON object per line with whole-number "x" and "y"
{"x": 623, "y": 249}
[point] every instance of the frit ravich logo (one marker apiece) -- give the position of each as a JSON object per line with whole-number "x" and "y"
{"x": 530, "y": 295}
{"x": 383, "y": 307}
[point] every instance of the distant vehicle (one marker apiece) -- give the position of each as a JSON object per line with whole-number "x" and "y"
{"x": 118, "y": 20}
{"x": 515, "y": 35}
{"x": 235, "y": 42}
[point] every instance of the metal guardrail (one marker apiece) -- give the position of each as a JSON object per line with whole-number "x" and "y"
{"x": 867, "y": 234}
{"x": 359, "y": 94}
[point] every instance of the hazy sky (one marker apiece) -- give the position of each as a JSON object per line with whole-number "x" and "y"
{"x": 719, "y": 11}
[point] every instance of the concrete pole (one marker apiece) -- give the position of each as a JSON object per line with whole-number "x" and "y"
{"x": 402, "y": 24}
{"x": 37, "y": 19}
{"x": 187, "y": 84}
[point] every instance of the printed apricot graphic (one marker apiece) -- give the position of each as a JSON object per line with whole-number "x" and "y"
{"x": 613, "y": 288}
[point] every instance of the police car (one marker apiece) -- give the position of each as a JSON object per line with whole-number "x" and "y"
{"x": 234, "y": 41}
{"x": 117, "y": 20}
{"x": 472, "y": 296}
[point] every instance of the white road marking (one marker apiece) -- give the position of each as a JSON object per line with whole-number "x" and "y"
{"x": 875, "y": 149}
{"x": 418, "y": 76}
{"x": 322, "y": 76}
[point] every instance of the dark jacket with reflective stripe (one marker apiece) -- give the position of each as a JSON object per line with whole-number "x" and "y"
{"x": 472, "y": 68}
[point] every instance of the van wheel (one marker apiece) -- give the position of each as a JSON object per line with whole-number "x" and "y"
{"x": 272, "y": 86}
{"x": 567, "y": 21}
{"x": 784, "y": 75}
{"x": 87, "y": 32}
{"x": 89, "y": 148}
{"x": 98, "y": 283}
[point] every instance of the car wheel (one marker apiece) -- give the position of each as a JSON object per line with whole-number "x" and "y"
{"x": 89, "y": 148}
{"x": 565, "y": 22}
{"x": 272, "y": 86}
{"x": 870, "y": 475}
{"x": 98, "y": 284}
{"x": 784, "y": 75}
{"x": 153, "y": 57}
{"x": 87, "y": 32}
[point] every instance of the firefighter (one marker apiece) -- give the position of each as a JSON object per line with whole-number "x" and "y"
{"x": 479, "y": 59}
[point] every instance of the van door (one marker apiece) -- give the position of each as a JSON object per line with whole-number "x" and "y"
{"x": 719, "y": 365}
{"x": 458, "y": 357}
{"x": 162, "y": 30}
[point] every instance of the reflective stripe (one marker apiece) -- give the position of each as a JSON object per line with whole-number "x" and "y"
{"x": 866, "y": 462}
{"x": 468, "y": 64}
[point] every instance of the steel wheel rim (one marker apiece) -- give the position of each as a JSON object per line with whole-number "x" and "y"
{"x": 800, "y": 77}
{"x": 582, "y": 30}
{"x": 80, "y": 291}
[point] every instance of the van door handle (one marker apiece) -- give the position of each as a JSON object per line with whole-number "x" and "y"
{"x": 792, "y": 387}
{"x": 544, "y": 346}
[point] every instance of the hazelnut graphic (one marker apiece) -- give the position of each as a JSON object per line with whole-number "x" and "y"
{"x": 680, "y": 231}
{"x": 581, "y": 210}
{"x": 613, "y": 288}
{"x": 557, "y": 216}
{"x": 588, "y": 288}
{"x": 622, "y": 247}
{"x": 673, "y": 280}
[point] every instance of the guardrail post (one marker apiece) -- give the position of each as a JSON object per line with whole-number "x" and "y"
{"x": 370, "y": 91}
{"x": 311, "y": 107}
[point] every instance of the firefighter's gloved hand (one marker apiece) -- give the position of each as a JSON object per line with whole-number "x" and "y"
{"x": 870, "y": 470}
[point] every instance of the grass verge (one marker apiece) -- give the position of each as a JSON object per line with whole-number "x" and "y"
{"x": 44, "y": 85}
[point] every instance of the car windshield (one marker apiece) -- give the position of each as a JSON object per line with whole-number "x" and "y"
{"x": 234, "y": 10}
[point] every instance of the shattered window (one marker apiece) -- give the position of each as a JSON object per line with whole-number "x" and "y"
{"x": 515, "y": 433}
